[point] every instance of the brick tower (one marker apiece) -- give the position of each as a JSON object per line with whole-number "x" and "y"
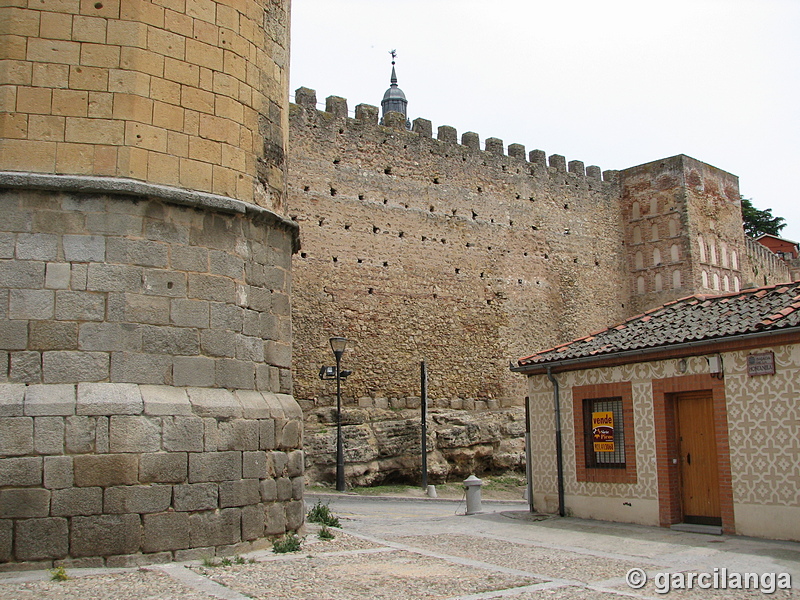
{"x": 145, "y": 267}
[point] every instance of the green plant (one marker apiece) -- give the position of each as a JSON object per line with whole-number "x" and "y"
{"x": 58, "y": 574}
{"x": 321, "y": 513}
{"x": 325, "y": 533}
{"x": 287, "y": 543}
{"x": 226, "y": 562}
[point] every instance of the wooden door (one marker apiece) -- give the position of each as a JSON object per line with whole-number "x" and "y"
{"x": 697, "y": 445}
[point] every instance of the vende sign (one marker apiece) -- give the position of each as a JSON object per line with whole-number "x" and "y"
{"x": 603, "y": 431}
{"x": 762, "y": 363}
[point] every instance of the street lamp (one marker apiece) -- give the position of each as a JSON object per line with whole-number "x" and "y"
{"x": 338, "y": 344}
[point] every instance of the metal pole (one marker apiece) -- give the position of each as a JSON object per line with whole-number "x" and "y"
{"x": 339, "y": 443}
{"x": 424, "y": 409}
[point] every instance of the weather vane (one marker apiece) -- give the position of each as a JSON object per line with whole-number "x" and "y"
{"x": 394, "y": 54}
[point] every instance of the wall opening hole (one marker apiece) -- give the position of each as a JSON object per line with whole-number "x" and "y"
{"x": 370, "y": 290}
{"x": 385, "y": 264}
{"x": 361, "y": 196}
{"x": 375, "y": 229}
{"x": 333, "y": 191}
{"x": 347, "y": 226}
{"x": 436, "y": 180}
{"x": 303, "y": 255}
{"x": 388, "y": 170}
{"x": 169, "y": 285}
{"x": 335, "y": 259}
{"x": 336, "y": 162}
{"x": 306, "y": 188}
{"x": 458, "y": 271}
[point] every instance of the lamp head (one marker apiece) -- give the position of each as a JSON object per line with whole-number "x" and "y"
{"x": 338, "y": 344}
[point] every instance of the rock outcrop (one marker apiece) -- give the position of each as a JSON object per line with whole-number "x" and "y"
{"x": 384, "y": 446}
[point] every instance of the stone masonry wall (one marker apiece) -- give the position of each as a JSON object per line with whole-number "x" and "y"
{"x": 145, "y": 353}
{"x": 109, "y": 287}
{"x": 118, "y": 474}
{"x": 187, "y": 93}
{"x": 416, "y": 247}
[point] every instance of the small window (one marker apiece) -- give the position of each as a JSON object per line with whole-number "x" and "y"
{"x": 604, "y": 433}
{"x": 613, "y": 460}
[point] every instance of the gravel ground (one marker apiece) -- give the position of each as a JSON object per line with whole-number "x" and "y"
{"x": 389, "y": 575}
{"x": 555, "y": 563}
{"x": 135, "y": 585}
{"x": 417, "y": 550}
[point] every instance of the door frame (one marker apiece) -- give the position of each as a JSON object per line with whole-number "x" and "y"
{"x": 667, "y": 457}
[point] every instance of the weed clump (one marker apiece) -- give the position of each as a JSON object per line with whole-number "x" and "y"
{"x": 290, "y": 542}
{"x": 321, "y": 513}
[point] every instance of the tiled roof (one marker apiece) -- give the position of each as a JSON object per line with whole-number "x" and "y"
{"x": 689, "y": 319}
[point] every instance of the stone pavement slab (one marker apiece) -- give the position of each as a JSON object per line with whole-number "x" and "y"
{"x": 421, "y": 549}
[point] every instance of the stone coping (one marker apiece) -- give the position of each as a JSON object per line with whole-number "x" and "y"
{"x": 124, "y": 186}
{"x": 97, "y": 399}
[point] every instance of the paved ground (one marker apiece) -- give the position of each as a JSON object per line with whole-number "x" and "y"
{"x": 397, "y": 549}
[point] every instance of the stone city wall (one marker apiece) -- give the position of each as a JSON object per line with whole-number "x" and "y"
{"x": 421, "y": 248}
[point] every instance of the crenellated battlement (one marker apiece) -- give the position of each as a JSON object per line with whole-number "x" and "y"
{"x": 367, "y": 116}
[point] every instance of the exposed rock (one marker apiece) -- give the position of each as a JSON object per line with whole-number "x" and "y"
{"x": 383, "y": 446}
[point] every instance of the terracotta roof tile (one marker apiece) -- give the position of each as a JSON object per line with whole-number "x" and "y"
{"x": 692, "y": 318}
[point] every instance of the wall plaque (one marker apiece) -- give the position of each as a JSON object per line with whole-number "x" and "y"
{"x": 762, "y": 363}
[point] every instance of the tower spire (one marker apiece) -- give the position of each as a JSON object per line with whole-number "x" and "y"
{"x": 394, "y": 100}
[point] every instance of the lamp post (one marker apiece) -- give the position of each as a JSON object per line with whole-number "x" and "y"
{"x": 338, "y": 344}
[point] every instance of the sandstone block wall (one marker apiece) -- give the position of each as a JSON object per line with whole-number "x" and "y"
{"x": 189, "y": 94}
{"x": 119, "y": 474}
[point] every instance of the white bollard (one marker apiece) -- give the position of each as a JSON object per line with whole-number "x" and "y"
{"x": 431, "y": 491}
{"x": 473, "y": 486}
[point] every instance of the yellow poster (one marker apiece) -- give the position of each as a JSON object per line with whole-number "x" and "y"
{"x": 603, "y": 431}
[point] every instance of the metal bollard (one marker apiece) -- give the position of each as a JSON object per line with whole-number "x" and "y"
{"x": 473, "y": 486}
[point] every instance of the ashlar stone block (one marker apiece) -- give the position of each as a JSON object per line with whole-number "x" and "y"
{"x": 214, "y": 403}
{"x": 58, "y": 472}
{"x": 41, "y": 539}
{"x": 215, "y": 466}
{"x": 163, "y": 467}
{"x": 16, "y": 436}
{"x": 134, "y": 433}
{"x": 23, "y": 503}
{"x": 109, "y": 399}
{"x": 165, "y": 531}
{"x": 104, "y": 535}
{"x": 48, "y": 435}
{"x": 216, "y": 528}
{"x": 50, "y": 400}
{"x": 137, "y": 499}
{"x": 192, "y": 497}
{"x": 182, "y": 434}
{"x": 239, "y": 493}
{"x": 12, "y": 396}
{"x": 165, "y": 400}
{"x": 21, "y": 471}
{"x": 71, "y": 502}
{"x": 105, "y": 470}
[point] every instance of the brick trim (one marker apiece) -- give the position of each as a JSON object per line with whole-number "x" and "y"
{"x": 604, "y": 390}
{"x": 669, "y": 501}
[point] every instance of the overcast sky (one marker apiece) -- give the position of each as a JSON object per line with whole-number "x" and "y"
{"x": 613, "y": 83}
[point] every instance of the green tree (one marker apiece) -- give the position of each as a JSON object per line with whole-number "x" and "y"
{"x": 758, "y": 222}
